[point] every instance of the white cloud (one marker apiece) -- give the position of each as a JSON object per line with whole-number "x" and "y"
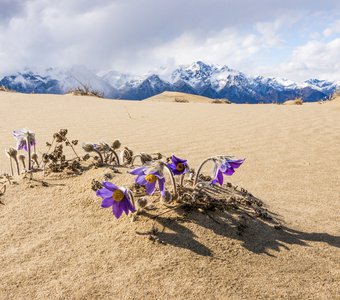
{"x": 135, "y": 36}
{"x": 315, "y": 59}
{"x": 333, "y": 29}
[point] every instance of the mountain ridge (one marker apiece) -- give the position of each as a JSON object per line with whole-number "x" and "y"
{"x": 198, "y": 78}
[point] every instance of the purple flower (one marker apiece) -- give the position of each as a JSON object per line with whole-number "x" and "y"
{"x": 178, "y": 166}
{"x": 22, "y": 135}
{"x": 148, "y": 177}
{"x": 225, "y": 166}
{"x": 116, "y": 197}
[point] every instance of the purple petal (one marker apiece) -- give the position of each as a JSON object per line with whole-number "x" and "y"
{"x": 25, "y": 146}
{"x": 223, "y": 167}
{"x": 229, "y": 172}
{"x": 172, "y": 167}
{"x": 141, "y": 180}
{"x": 117, "y": 209}
{"x": 128, "y": 201}
{"x": 161, "y": 185}
{"x": 157, "y": 175}
{"x": 16, "y": 133}
{"x": 107, "y": 202}
{"x": 216, "y": 174}
{"x": 124, "y": 207}
{"x": 236, "y": 163}
{"x": 152, "y": 171}
{"x": 150, "y": 187}
{"x": 129, "y": 205}
{"x": 220, "y": 177}
{"x": 21, "y": 144}
{"x": 177, "y": 160}
{"x": 110, "y": 186}
{"x": 104, "y": 193}
{"x": 174, "y": 160}
{"x": 175, "y": 172}
{"x": 138, "y": 171}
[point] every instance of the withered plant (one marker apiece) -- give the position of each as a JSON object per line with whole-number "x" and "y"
{"x": 54, "y": 160}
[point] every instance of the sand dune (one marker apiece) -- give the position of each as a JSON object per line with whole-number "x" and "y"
{"x": 178, "y": 97}
{"x": 57, "y": 242}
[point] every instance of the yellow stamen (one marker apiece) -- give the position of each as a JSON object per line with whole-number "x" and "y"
{"x": 150, "y": 178}
{"x": 179, "y": 167}
{"x": 118, "y": 195}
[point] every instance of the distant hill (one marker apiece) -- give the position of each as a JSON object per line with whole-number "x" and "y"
{"x": 179, "y": 97}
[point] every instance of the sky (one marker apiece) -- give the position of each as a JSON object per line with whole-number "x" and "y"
{"x": 294, "y": 39}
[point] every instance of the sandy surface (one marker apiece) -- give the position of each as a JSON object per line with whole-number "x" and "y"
{"x": 177, "y": 97}
{"x": 57, "y": 243}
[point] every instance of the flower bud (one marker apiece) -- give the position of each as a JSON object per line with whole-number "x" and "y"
{"x": 116, "y": 144}
{"x": 22, "y": 159}
{"x": 63, "y": 132}
{"x": 11, "y": 152}
{"x": 35, "y": 158}
{"x": 45, "y": 158}
{"x": 142, "y": 202}
{"x": 88, "y": 147}
{"x": 145, "y": 157}
{"x": 102, "y": 147}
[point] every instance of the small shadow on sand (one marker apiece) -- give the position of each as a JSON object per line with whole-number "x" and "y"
{"x": 256, "y": 235}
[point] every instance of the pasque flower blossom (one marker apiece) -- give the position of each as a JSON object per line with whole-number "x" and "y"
{"x": 148, "y": 176}
{"x": 225, "y": 166}
{"x": 22, "y": 136}
{"x": 178, "y": 166}
{"x": 117, "y": 197}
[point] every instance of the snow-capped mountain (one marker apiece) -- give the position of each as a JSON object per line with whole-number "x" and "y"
{"x": 56, "y": 81}
{"x": 198, "y": 78}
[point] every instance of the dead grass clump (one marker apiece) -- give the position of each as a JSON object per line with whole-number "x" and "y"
{"x": 335, "y": 95}
{"x": 296, "y": 101}
{"x": 181, "y": 100}
{"x": 85, "y": 90}
{"x": 221, "y": 101}
{"x": 5, "y": 89}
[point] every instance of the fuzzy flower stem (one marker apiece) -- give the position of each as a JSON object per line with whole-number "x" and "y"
{"x": 22, "y": 159}
{"x": 28, "y": 141}
{"x": 35, "y": 158}
{"x": 100, "y": 155}
{"x": 12, "y": 154}
{"x": 73, "y": 148}
{"x": 131, "y": 197}
{"x": 182, "y": 180}
{"x": 134, "y": 158}
{"x": 172, "y": 180}
{"x": 116, "y": 156}
{"x": 17, "y": 164}
{"x": 123, "y": 155}
{"x": 200, "y": 168}
{"x": 10, "y": 160}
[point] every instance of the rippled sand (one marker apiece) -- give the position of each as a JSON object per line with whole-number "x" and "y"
{"x": 57, "y": 243}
